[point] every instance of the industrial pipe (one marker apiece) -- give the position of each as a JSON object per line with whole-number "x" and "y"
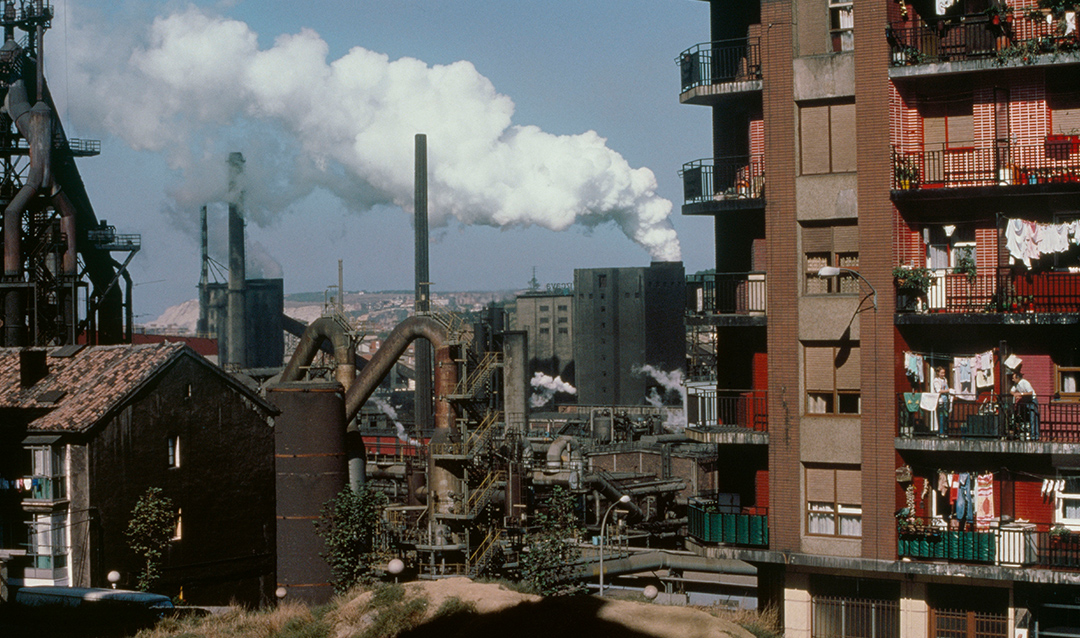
{"x": 663, "y": 559}
{"x": 323, "y": 329}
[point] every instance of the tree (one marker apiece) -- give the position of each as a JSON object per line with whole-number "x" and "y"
{"x": 349, "y": 527}
{"x": 550, "y": 562}
{"x": 152, "y": 526}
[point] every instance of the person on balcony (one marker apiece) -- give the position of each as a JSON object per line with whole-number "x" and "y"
{"x": 940, "y": 386}
{"x": 1025, "y": 409}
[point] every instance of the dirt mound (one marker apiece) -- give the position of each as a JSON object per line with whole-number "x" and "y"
{"x": 502, "y": 612}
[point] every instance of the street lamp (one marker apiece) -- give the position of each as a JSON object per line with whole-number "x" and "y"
{"x": 832, "y": 271}
{"x": 625, "y": 498}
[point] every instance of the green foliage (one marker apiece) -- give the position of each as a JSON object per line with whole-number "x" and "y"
{"x": 396, "y": 617}
{"x": 550, "y": 562}
{"x": 915, "y": 279}
{"x": 152, "y": 525}
{"x": 303, "y": 628}
{"x": 349, "y": 525}
{"x": 455, "y": 606}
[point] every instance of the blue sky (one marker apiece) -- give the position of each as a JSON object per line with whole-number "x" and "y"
{"x": 167, "y": 123}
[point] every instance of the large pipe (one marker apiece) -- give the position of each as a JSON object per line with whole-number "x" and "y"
{"x": 663, "y": 559}
{"x": 320, "y": 330}
{"x": 35, "y": 124}
{"x": 237, "y": 350}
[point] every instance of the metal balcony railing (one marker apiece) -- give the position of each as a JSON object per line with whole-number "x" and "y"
{"x": 732, "y": 293}
{"x": 1021, "y": 545}
{"x": 737, "y": 60}
{"x": 991, "y": 418}
{"x": 710, "y": 523}
{"x": 980, "y": 36}
{"x": 1055, "y": 159}
{"x": 736, "y": 409}
{"x": 1001, "y": 290}
{"x": 723, "y": 178}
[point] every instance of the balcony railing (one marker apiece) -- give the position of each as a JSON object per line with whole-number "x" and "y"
{"x": 732, "y": 293}
{"x": 45, "y": 488}
{"x": 723, "y": 178}
{"x": 718, "y": 62}
{"x": 1053, "y": 160}
{"x": 1021, "y": 545}
{"x": 992, "y": 418}
{"x": 710, "y": 523}
{"x": 979, "y": 37}
{"x": 1003, "y": 291}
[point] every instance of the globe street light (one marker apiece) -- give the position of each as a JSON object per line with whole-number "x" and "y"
{"x": 625, "y": 498}
{"x": 832, "y": 271}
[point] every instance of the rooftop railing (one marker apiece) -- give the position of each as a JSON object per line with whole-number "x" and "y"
{"x": 710, "y": 522}
{"x": 732, "y": 293}
{"x": 723, "y": 178}
{"x": 990, "y": 418}
{"x": 737, "y": 60}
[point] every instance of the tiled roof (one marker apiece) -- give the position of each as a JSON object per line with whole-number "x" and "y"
{"x": 89, "y": 383}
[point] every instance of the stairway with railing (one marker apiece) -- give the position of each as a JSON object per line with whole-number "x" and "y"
{"x": 480, "y": 559}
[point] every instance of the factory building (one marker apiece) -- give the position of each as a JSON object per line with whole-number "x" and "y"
{"x": 916, "y": 244}
{"x": 548, "y": 317}
{"x": 625, "y": 319}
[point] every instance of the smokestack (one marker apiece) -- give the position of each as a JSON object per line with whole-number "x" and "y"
{"x": 422, "y": 348}
{"x": 202, "y": 327}
{"x": 236, "y": 352}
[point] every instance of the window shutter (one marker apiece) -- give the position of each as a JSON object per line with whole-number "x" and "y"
{"x": 842, "y": 125}
{"x": 814, "y": 133}
{"x": 819, "y": 368}
{"x": 849, "y": 487}
{"x": 820, "y": 484}
{"x": 848, "y": 372}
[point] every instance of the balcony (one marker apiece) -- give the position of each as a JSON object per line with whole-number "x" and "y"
{"x": 1047, "y": 166}
{"x": 719, "y": 68}
{"x": 1016, "y": 545}
{"x": 734, "y": 298}
{"x": 993, "y": 418}
{"x": 1005, "y": 296}
{"x": 981, "y": 41}
{"x": 728, "y": 416}
{"x": 709, "y": 521}
{"x": 722, "y": 184}
{"x": 44, "y": 488}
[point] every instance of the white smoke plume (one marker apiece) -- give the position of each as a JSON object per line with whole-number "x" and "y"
{"x": 389, "y": 411}
{"x": 193, "y": 80}
{"x": 671, "y": 382}
{"x": 545, "y": 387}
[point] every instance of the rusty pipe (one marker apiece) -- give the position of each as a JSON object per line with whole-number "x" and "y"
{"x": 323, "y": 329}
{"x": 399, "y": 339}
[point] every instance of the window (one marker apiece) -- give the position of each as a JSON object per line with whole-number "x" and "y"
{"x": 827, "y": 138}
{"x": 949, "y": 247}
{"x": 843, "y": 283}
{"x": 48, "y": 541}
{"x": 47, "y": 473}
{"x": 832, "y": 378}
{"x": 543, "y": 308}
{"x": 833, "y": 500}
{"x": 601, "y": 281}
{"x": 545, "y": 331}
{"x": 842, "y": 25}
{"x": 564, "y": 331}
{"x": 174, "y": 451}
{"x": 1067, "y": 504}
{"x": 178, "y": 532}
{"x": 545, "y": 319}
{"x": 563, "y": 320}
{"x": 948, "y": 123}
{"x": 562, "y": 308}
{"x": 1067, "y": 384}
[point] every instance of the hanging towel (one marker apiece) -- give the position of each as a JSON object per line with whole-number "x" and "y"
{"x": 942, "y": 483}
{"x": 911, "y": 401}
{"x": 928, "y": 401}
{"x": 984, "y": 501}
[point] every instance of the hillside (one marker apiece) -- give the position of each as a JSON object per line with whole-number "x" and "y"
{"x": 458, "y": 607}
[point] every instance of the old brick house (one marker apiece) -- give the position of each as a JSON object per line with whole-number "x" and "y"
{"x": 84, "y": 431}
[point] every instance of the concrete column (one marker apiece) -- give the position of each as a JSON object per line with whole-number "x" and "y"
{"x": 914, "y": 610}
{"x": 797, "y": 606}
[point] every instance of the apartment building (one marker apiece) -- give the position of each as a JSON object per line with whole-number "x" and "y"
{"x": 914, "y": 244}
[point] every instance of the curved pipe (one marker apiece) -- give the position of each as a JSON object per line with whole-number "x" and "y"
{"x": 380, "y": 364}
{"x": 323, "y": 329}
{"x": 564, "y": 443}
{"x": 602, "y": 484}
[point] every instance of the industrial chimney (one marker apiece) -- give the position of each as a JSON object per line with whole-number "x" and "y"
{"x": 422, "y": 348}
{"x": 237, "y": 351}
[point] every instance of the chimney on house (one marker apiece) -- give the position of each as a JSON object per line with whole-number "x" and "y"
{"x": 32, "y": 367}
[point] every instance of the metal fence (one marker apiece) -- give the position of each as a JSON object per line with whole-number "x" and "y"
{"x": 1055, "y": 159}
{"x": 962, "y": 623}
{"x": 723, "y": 178}
{"x": 854, "y": 618}
{"x": 737, "y": 60}
{"x": 731, "y": 293}
{"x": 992, "y": 417}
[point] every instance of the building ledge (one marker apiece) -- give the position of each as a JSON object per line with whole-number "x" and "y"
{"x": 992, "y": 446}
{"x": 724, "y": 205}
{"x": 725, "y": 435}
{"x": 812, "y": 562}
{"x": 985, "y": 65}
{"x": 987, "y": 318}
{"x": 707, "y": 94}
{"x": 698, "y": 319}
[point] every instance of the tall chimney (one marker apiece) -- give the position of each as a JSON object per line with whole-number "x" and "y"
{"x": 236, "y": 351}
{"x": 422, "y": 347}
{"x": 202, "y": 327}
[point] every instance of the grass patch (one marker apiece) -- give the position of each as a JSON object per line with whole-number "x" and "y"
{"x": 397, "y": 617}
{"x": 763, "y": 623}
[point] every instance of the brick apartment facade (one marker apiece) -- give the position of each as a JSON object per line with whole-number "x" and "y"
{"x": 930, "y": 153}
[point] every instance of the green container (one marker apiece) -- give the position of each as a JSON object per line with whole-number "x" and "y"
{"x": 742, "y": 530}
{"x": 714, "y": 527}
{"x": 758, "y": 530}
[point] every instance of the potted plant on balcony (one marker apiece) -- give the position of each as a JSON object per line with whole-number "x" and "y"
{"x": 906, "y": 173}
{"x": 965, "y": 265}
{"x": 912, "y": 284}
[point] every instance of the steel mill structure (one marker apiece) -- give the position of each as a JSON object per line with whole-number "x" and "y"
{"x": 61, "y": 280}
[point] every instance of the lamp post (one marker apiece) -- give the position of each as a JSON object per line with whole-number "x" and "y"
{"x": 832, "y": 271}
{"x": 625, "y": 498}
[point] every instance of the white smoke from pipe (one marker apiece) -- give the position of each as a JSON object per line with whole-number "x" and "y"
{"x": 194, "y": 78}
{"x": 545, "y": 387}
{"x": 389, "y": 411}
{"x": 671, "y": 382}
